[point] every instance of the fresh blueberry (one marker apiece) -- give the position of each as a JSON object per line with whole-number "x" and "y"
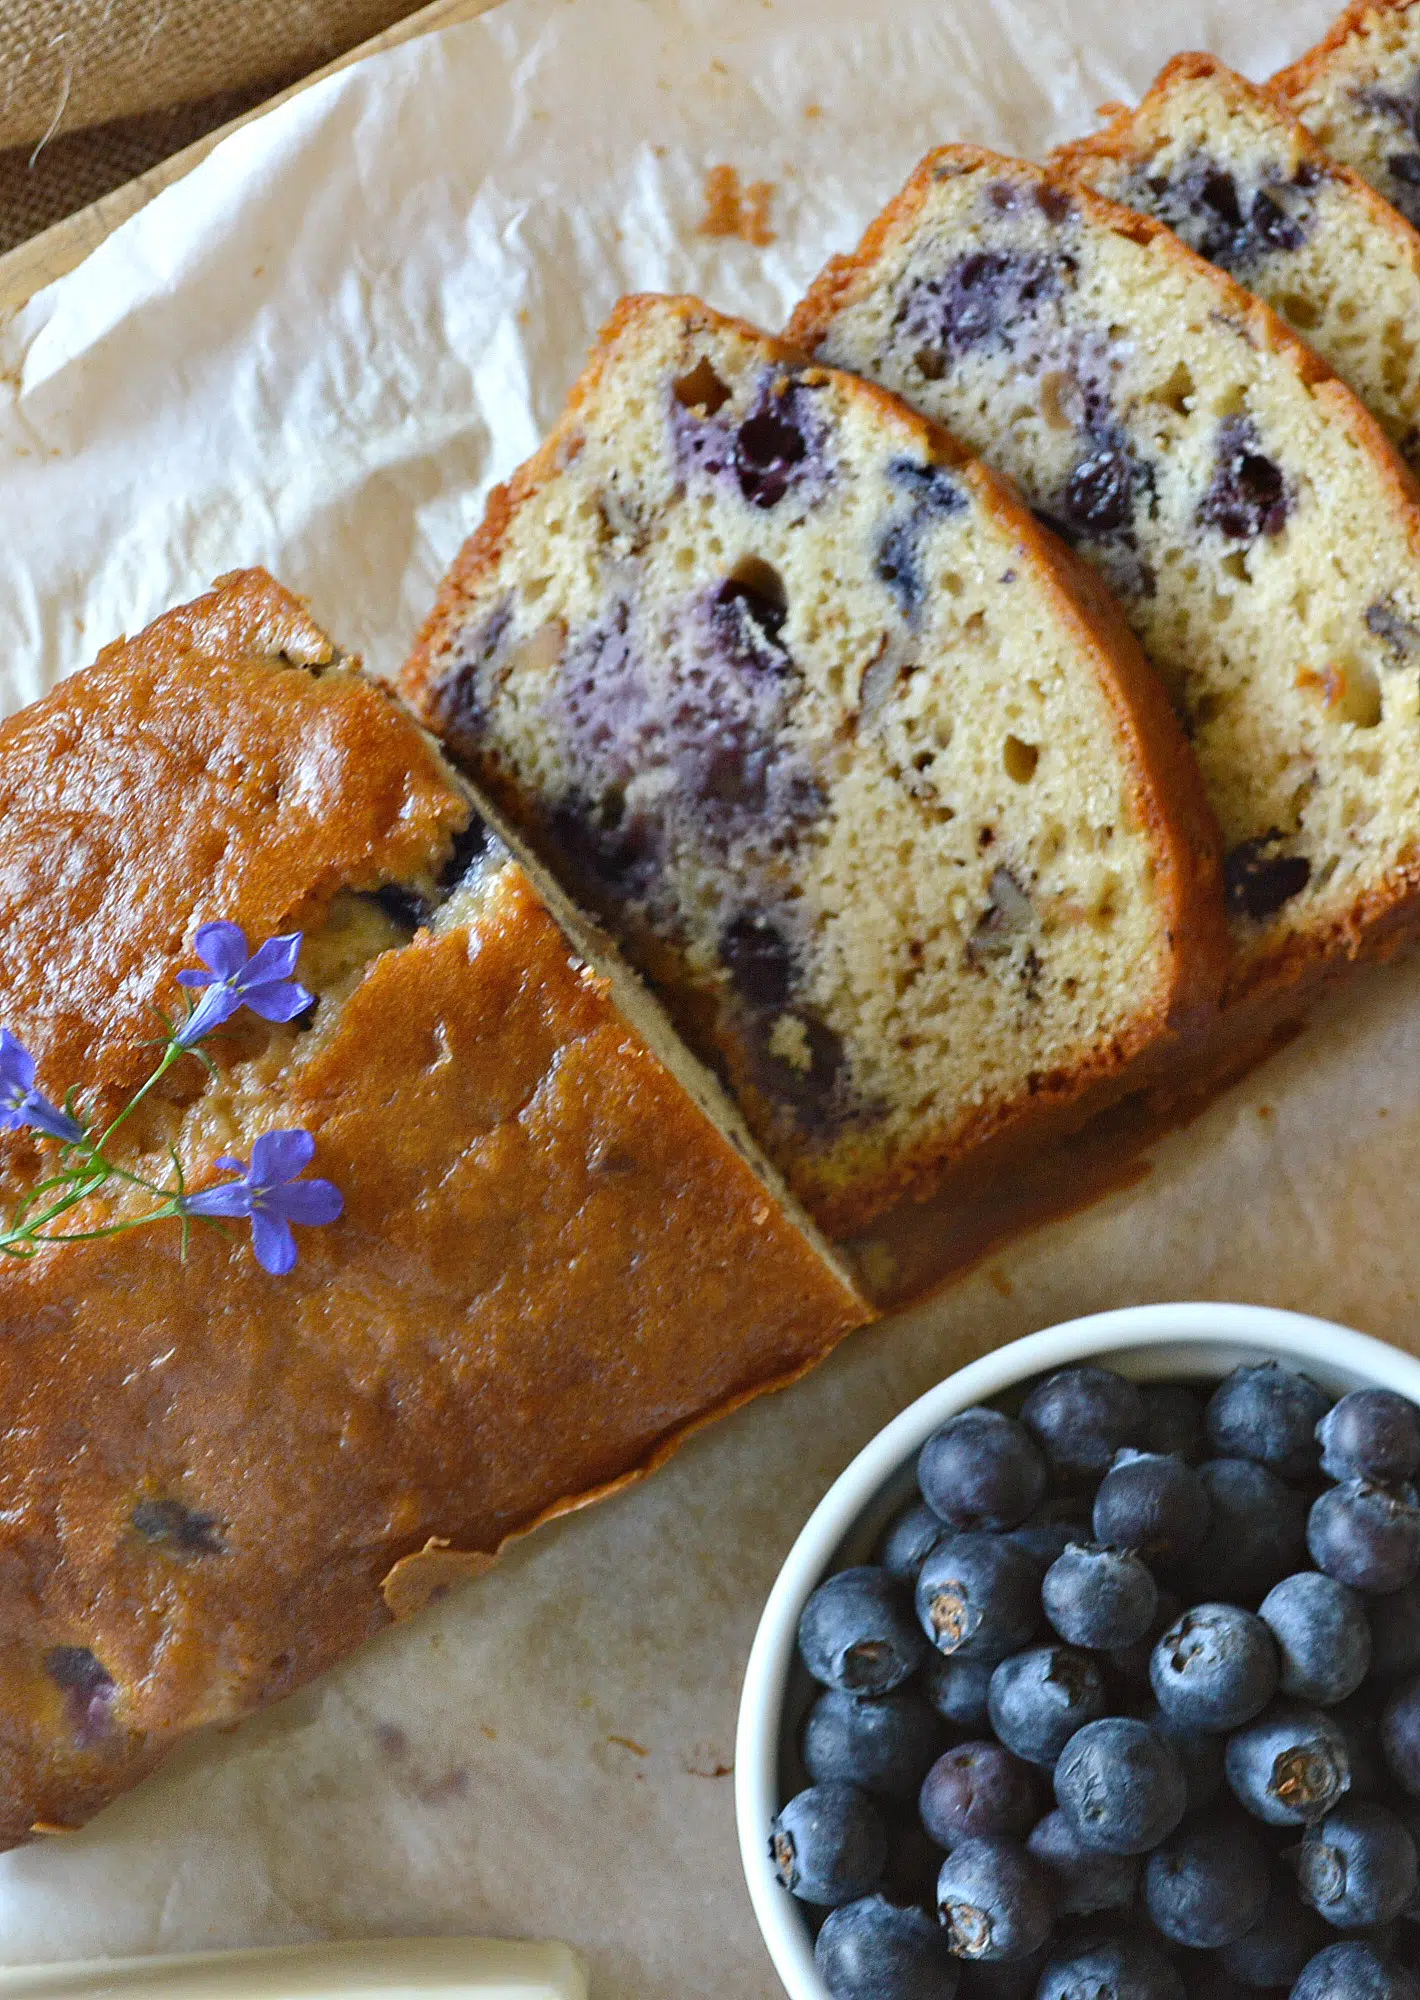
{"x": 1199, "y": 1751}
{"x": 1081, "y": 1417}
{"x": 1395, "y": 1633}
{"x": 770, "y": 447}
{"x": 1258, "y": 1536}
{"x": 1174, "y": 1421}
{"x": 1041, "y": 1697}
{"x": 856, "y": 1633}
{"x": 872, "y": 1950}
{"x": 978, "y": 1595}
{"x": 1358, "y": 1866}
{"x": 1371, "y": 1434}
{"x": 1121, "y": 1785}
{"x": 1207, "y": 1885}
{"x": 1268, "y": 1413}
{"x": 1124, "y": 1968}
{"x": 885, "y": 1743}
{"x": 1291, "y": 1767}
{"x": 906, "y": 1542}
{"x": 1155, "y": 1504}
{"x": 1086, "y": 1880}
{"x": 1096, "y": 1596}
{"x": 829, "y": 1844}
{"x": 994, "y": 1901}
{"x": 1322, "y": 1636}
{"x": 1354, "y": 1972}
{"x": 1367, "y": 1536}
{"x": 981, "y": 1470}
{"x": 959, "y": 1689}
{"x": 974, "y": 1790}
{"x": 1400, "y": 1736}
{"x": 1215, "y": 1668}
{"x": 1050, "y": 1530}
{"x": 1280, "y": 1943}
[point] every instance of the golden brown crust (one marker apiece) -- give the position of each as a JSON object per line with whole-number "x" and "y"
{"x": 1372, "y": 923}
{"x": 220, "y": 758}
{"x": 1167, "y": 787}
{"x": 1292, "y": 84}
{"x": 550, "y": 1268}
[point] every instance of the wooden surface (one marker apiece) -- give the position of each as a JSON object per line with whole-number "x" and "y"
{"x": 24, "y": 270}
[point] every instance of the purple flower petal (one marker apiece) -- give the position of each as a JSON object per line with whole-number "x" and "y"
{"x": 272, "y": 1243}
{"x": 277, "y": 999}
{"x": 280, "y": 1156}
{"x": 231, "y": 1198}
{"x": 46, "y": 1117}
{"x": 17, "y": 1065}
{"x": 218, "y": 1004}
{"x": 274, "y": 960}
{"x": 223, "y": 947}
{"x": 308, "y": 1202}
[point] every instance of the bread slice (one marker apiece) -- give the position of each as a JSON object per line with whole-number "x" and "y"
{"x": 1247, "y": 186}
{"x": 554, "y": 1262}
{"x": 1259, "y": 529}
{"x": 1358, "y": 90}
{"x": 859, "y": 767}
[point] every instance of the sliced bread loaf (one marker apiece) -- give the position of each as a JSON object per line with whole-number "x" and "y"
{"x": 860, "y": 767}
{"x": 1260, "y": 530}
{"x": 1358, "y": 90}
{"x": 555, "y": 1260}
{"x": 1248, "y": 187}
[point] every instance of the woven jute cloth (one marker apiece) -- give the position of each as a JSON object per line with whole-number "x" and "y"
{"x": 92, "y": 92}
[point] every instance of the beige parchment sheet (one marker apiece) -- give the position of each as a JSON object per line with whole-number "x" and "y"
{"x": 315, "y": 353}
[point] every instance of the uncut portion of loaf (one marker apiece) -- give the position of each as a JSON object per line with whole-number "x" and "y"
{"x": 1358, "y": 90}
{"x": 1247, "y": 186}
{"x": 551, "y": 1266}
{"x": 1259, "y": 529}
{"x": 854, "y": 761}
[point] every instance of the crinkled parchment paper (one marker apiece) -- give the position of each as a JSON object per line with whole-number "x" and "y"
{"x": 316, "y": 352}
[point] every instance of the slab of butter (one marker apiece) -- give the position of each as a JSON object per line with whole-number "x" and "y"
{"x": 394, "y": 1968}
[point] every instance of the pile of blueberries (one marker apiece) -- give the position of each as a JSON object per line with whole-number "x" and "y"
{"x": 1127, "y": 1707}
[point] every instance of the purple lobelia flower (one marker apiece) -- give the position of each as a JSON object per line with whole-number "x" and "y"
{"x": 234, "y": 979}
{"x": 21, "y": 1103}
{"x": 271, "y": 1196}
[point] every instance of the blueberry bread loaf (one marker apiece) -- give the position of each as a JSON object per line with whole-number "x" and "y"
{"x": 857, "y": 765}
{"x": 1260, "y": 531}
{"x": 1358, "y": 90}
{"x": 1247, "y": 186}
{"x": 552, "y": 1261}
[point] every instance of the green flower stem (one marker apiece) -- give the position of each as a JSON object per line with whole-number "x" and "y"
{"x": 91, "y": 1171}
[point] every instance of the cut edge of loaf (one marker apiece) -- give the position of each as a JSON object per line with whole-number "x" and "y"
{"x": 1166, "y": 785}
{"x": 1375, "y": 922}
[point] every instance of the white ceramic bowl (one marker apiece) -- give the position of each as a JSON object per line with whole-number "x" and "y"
{"x": 1150, "y": 1343}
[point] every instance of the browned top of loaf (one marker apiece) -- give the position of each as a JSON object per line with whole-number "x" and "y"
{"x": 1168, "y": 792}
{"x": 177, "y": 779}
{"x": 1298, "y": 77}
{"x": 551, "y": 1267}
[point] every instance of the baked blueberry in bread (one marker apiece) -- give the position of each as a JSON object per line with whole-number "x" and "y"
{"x": 1261, "y": 534}
{"x": 1248, "y": 187}
{"x": 859, "y": 766}
{"x": 552, "y": 1262}
{"x": 1358, "y": 90}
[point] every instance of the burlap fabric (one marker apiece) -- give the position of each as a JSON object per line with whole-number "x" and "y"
{"x": 92, "y": 92}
